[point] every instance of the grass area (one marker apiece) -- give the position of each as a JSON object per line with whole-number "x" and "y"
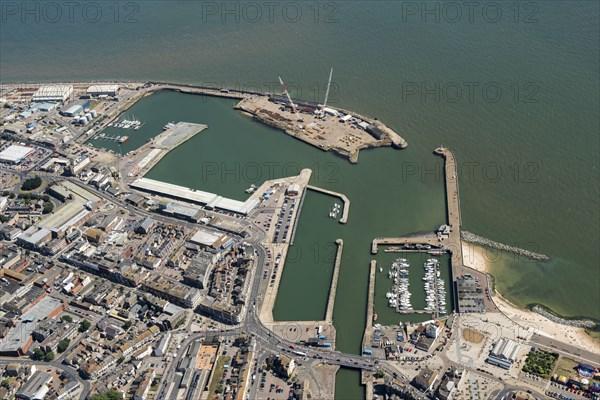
{"x": 566, "y": 367}
{"x": 217, "y": 375}
{"x": 155, "y": 383}
{"x": 472, "y": 336}
{"x": 540, "y": 363}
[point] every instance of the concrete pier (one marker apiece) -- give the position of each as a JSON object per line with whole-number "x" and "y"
{"x": 334, "y": 281}
{"x": 370, "y": 306}
{"x": 454, "y": 241}
{"x": 341, "y": 196}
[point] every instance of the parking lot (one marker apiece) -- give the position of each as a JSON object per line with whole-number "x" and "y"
{"x": 272, "y": 387}
{"x": 284, "y": 221}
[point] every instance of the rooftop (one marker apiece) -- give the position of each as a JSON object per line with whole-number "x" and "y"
{"x": 15, "y": 153}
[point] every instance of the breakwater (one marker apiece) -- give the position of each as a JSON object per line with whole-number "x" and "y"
{"x": 480, "y": 240}
{"x": 580, "y": 323}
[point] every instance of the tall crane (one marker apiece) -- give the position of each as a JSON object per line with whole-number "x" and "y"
{"x": 287, "y": 95}
{"x": 328, "y": 85}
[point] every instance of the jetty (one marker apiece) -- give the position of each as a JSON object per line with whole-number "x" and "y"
{"x": 341, "y": 196}
{"x": 334, "y": 281}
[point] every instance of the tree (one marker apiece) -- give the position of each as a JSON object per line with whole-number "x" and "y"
{"x": 37, "y": 354}
{"x": 32, "y": 183}
{"x": 5, "y": 383}
{"x": 379, "y": 374}
{"x": 84, "y": 325}
{"x": 67, "y": 318}
{"x": 127, "y": 325}
{"x": 63, "y": 345}
{"x": 49, "y": 356}
{"x": 48, "y": 207}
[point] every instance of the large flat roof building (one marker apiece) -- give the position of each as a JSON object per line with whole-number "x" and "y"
{"x": 14, "y": 154}
{"x": 58, "y": 93}
{"x": 74, "y": 108}
{"x": 36, "y": 387}
{"x": 98, "y": 90}
{"x": 210, "y": 200}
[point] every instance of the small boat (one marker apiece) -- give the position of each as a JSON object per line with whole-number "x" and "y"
{"x": 374, "y": 317}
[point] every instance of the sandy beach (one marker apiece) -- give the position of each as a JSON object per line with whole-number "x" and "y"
{"x": 474, "y": 257}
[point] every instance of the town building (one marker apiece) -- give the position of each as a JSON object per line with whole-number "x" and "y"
{"x": 425, "y": 380}
{"x": 36, "y": 387}
{"x": 504, "y": 353}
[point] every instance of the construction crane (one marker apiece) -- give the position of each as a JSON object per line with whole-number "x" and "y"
{"x": 287, "y": 95}
{"x": 328, "y": 85}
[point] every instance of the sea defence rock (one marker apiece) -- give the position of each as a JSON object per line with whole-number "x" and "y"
{"x": 480, "y": 240}
{"x": 580, "y": 323}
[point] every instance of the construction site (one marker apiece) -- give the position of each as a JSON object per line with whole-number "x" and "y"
{"x": 327, "y": 128}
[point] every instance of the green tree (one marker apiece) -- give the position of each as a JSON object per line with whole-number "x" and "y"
{"x": 32, "y": 183}
{"x": 5, "y": 383}
{"x": 37, "y": 354}
{"x": 49, "y": 356}
{"x": 67, "y": 318}
{"x": 63, "y": 345}
{"x": 48, "y": 207}
{"x": 84, "y": 325}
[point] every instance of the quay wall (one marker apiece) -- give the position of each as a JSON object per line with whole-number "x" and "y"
{"x": 334, "y": 281}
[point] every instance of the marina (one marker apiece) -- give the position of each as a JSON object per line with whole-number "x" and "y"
{"x": 133, "y": 124}
{"x": 336, "y": 207}
{"x": 118, "y": 139}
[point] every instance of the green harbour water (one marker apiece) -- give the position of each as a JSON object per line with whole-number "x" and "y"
{"x": 528, "y": 159}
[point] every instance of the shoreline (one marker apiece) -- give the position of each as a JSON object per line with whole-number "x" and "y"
{"x": 474, "y": 257}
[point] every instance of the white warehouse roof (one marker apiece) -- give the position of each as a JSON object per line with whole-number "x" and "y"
{"x": 198, "y": 196}
{"x": 15, "y": 153}
{"x": 100, "y": 89}
{"x": 53, "y": 93}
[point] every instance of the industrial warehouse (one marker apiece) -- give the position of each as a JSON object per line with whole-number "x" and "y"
{"x": 15, "y": 154}
{"x": 209, "y": 200}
